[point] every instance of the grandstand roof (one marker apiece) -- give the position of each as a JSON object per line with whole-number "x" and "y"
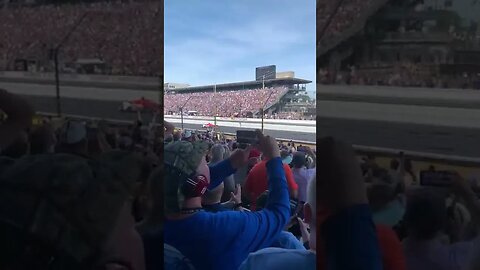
{"x": 244, "y": 85}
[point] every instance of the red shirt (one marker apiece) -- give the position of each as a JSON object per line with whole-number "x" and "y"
{"x": 257, "y": 181}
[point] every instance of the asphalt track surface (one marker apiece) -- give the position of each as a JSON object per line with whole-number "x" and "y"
{"x": 460, "y": 141}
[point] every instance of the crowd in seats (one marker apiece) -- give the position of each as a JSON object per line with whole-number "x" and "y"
{"x": 401, "y": 74}
{"x": 77, "y": 195}
{"x": 436, "y": 224}
{"x": 223, "y": 103}
{"x": 287, "y": 115}
{"x": 349, "y": 12}
{"x": 124, "y": 35}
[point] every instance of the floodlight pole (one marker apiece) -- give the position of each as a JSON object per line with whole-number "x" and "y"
{"x": 181, "y": 110}
{"x": 263, "y": 108}
{"x": 55, "y": 52}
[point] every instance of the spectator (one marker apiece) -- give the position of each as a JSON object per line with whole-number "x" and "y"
{"x": 340, "y": 204}
{"x": 257, "y": 183}
{"x": 211, "y": 200}
{"x": 425, "y": 219}
{"x": 301, "y": 174}
{"x": 286, "y": 239}
{"x": 229, "y": 236}
{"x": 297, "y": 258}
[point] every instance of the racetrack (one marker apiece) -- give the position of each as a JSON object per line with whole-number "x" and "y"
{"x": 451, "y": 130}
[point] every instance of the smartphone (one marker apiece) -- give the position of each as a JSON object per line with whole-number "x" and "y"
{"x": 247, "y": 136}
{"x": 437, "y": 178}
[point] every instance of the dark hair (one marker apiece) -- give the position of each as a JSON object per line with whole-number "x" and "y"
{"x": 299, "y": 160}
{"x": 425, "y": 214}
{"x": 394, "y": 164}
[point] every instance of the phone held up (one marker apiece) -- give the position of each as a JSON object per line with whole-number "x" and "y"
{"x": 247, "y": 137}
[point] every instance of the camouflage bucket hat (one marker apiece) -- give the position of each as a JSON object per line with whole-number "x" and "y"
{"x": 181, "y": 159}
{"x": 67, "y": 203}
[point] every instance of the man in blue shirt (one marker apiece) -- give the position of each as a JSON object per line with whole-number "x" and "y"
{"x": 217, "y": 241}
{"x": 340, "y": 214}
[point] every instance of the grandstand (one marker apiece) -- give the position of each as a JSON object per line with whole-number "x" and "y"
{"x": 398, "y": 43}
{"x": 284, "y": 98}
{"x": 108, "y": 37}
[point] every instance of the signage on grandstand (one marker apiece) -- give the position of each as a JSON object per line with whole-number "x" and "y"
{"x": 265, "y": 73}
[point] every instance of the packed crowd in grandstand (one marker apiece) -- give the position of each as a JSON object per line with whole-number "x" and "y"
{"x": 345, "y": 26}
{"x": 346, "y": 15}
{"x": 92, "y": 195}
{"x": 401, "y": 74}
{"x": 224, "y": 103}
{"x": 123, "y": 36}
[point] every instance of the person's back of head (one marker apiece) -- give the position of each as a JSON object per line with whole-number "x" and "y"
{"x": 425, "y": 214}
{"x": 299, "y": 160}
{"x": 182, "y": 180}
{"x": 218, "y": 152}
{"x": 394, "y": 164}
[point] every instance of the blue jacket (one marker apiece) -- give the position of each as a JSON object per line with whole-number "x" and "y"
{"x": 222, "y": 241}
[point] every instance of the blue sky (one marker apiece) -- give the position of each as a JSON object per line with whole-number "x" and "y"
{"x": 219, "y": 41}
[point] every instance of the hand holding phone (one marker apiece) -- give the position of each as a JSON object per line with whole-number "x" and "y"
{"x": 247, "y": 136}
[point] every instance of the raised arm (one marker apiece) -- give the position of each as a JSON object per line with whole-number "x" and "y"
{"x": 259, "y": 229}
